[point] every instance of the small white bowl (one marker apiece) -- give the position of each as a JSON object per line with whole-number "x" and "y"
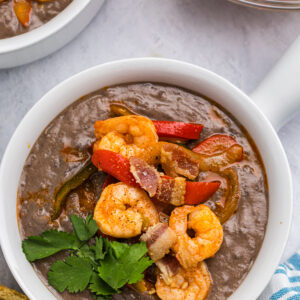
{"x": 166, "y": 71}
{"x": 49, "y": 37}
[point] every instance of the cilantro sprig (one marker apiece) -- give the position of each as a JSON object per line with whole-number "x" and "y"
{"x": 96, "y": 263}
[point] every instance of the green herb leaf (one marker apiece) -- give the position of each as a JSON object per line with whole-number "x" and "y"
{"x": 72, "y": 274}
{"x": 100, "y": 248}
{"x": 91, "y": 225}
{"x": 100, "y": 287}
{"x": 104, "y": 267}
{"x": 119, "y": 248}
{"x": 86, "y": 252}
{"x": 84, "y": 230}
{"x": 135, "y": 252}
{"x": 49, "y": 243}
{"x": 137, "y": 269}
{"x": 136, "y": 262}
{"x": 127, "y": 267}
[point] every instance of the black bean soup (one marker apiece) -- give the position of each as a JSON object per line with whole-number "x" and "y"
{"x": 41, "y": 14}
{"x": 46, "y": 168}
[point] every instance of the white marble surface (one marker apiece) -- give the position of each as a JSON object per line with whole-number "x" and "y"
{"x": 238, "y": 43}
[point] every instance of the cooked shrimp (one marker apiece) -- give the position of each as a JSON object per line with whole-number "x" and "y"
{"x": 191, "y": 284}
{"x": 128, "y": 135}
{"x": 124, "y": 211}
{"x": 208, "y": 234}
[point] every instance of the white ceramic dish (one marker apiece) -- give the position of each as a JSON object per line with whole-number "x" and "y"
{"x": 180, "y": 74}
{"x": 42, "y": 41}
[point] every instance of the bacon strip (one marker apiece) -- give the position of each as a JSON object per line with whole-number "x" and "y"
{"x": 177, "y": 160}
{"x": 169, "y": 266}
{"x": 159, "y": 240}
{"x": 163, "y": 218}
{"x": 145, "y": 175}
{"x": 171, "y": 190}
{"x": 163, "y": 189}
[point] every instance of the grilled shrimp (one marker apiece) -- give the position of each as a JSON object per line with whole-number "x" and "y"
{"x": 191, "y": 284}
{"x": 128, "y": 135}
{"x": 124, "y": 211}
{"x": 208, "y": 234}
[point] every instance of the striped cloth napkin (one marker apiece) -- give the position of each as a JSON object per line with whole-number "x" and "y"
{"x": 285, "y": 283}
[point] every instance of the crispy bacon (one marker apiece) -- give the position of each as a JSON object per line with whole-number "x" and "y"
{"x": 154, "y": 233}
{"x": 145, "y": 175}
{"x": 163, "y": 189}
{"x": 159, "y": 240}
{"x": 169, "y": 266}
{"x": 163, "y": 218}
{"x": 177, "y": 160}
{"x": 171, "y": 190}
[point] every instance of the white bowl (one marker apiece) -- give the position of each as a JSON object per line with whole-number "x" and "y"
{"x": 49, "y": 37}
{"x": 166, "y": 71}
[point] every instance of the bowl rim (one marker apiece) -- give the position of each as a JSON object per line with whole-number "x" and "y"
{"x": 127, "y": 68}
{"x": 36, "y": 35}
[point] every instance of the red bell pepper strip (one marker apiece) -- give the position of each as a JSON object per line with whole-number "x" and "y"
{"x": 172, "y": 129}
{"x": 199, "y": 192}
{"x": 118, "y": 166}
{"x": 215, "y": 144}
{"x": 115, "y": 165}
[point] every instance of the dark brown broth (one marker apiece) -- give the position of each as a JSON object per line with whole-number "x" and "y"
{"x": 41, "y": 14}
{"x": 46, "y": 168}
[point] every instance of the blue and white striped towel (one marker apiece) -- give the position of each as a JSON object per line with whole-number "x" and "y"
{"x": 285, "y": 283}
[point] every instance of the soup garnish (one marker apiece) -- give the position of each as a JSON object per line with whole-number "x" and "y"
{"x": 94, "y": 262}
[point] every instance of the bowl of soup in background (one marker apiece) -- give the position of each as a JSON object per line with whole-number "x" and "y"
{"x": 50, "y": 36}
